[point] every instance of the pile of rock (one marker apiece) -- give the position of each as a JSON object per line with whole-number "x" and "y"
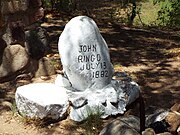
{"x": 158, "y": 122}
{"x": 164, "y": 120}
{"x": 87, "y": 79}
{"x": 88, "y": 87}
{"x": 21, "y": 37}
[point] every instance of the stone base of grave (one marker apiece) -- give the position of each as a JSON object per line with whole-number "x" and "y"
{"x": 42, "y": 100}
{"x": 111, "y": 100}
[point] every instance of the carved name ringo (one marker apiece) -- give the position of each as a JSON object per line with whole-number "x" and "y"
{"x": 92, "y": 61}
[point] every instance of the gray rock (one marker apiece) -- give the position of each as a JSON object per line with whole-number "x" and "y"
{"x": 37, "y": 42}
{"x": 165, "y": 133}
{"x": 84, "y": 54}
{"x": 14, "y": 59}
{"x": 176, "y": 107}
{"x": 42, "y": 100}
{"x": 43, "y": 67}
{"x": 2, "y": 47}
{"x": 13, "y": 6}
{"x": 149, "y": 131}
{"x": 78, "y": 101}
{"x": 158, "y": 114}
{"x": 173, "y": 119}
{"x": 122, "y": 126}
{"x": 111, "y": 94}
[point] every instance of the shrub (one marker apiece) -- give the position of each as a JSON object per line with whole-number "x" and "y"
{"x": 169, "y": 13}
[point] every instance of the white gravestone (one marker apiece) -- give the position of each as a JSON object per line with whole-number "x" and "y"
{"x": 84, "y": 55}
{"x": 87, "y": 67}
{"x": 87, "y": 84}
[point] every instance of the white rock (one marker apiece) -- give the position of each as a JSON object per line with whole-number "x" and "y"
{"x": 84, "y": 112}
{"x": 113, "y": 99}
{"x": 77, "y": 99}
{"x": 84, "y": 54}
{"x": 62, "y": 81}
{"x": 111, "y": 94}
{"x": 109, "y": 110}
{"x": 97, "y": 96}
{"x": 42, "y": 100}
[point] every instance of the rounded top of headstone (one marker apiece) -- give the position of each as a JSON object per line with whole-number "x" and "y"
{"x": 84, "y": 54}
{"x": 84, "y": 22}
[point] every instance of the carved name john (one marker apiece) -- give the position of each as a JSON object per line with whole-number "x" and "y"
{"x": 92, "y": 61}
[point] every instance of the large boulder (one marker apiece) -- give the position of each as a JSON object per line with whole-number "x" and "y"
{"x": 42, "y": 100}
{"x": 123, "y": 126}
{"x": 15, "y": 15}
{"x": 37, "y": 42}
{"x": 15, "y": 58}
{"x": 2, "y": 47}
{"x": 173, "y": 118}
{"x": 29, "y": 11}
{"x": 42, "y": 67}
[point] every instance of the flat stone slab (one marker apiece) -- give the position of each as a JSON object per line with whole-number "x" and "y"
{"x": 42, "y": 100}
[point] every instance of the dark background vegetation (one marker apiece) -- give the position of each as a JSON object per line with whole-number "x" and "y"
{"x": 143, "y": 37}
{"x": 166, "y": 12}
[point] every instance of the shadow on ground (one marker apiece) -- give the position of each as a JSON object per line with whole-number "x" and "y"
{"x": 7, "y": 101}
{"x": 151, "y": 56}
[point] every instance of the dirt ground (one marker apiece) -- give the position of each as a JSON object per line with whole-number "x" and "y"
{"x": 150, "y": 56}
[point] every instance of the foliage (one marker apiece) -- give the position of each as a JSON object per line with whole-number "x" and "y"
{"x": 13, "y": 108}
{"x": 93, "y": 122}
{"x": 127, "y": 12}
{"x": 60, "y": 5}
{"x": 47, "y": 3}
{"x": 169, "y": 13}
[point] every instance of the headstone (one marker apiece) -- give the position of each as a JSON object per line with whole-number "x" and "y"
{"x": 84, "y": 55}
{"x": 42, "y": 100}
{"x": 88, "y": 73}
